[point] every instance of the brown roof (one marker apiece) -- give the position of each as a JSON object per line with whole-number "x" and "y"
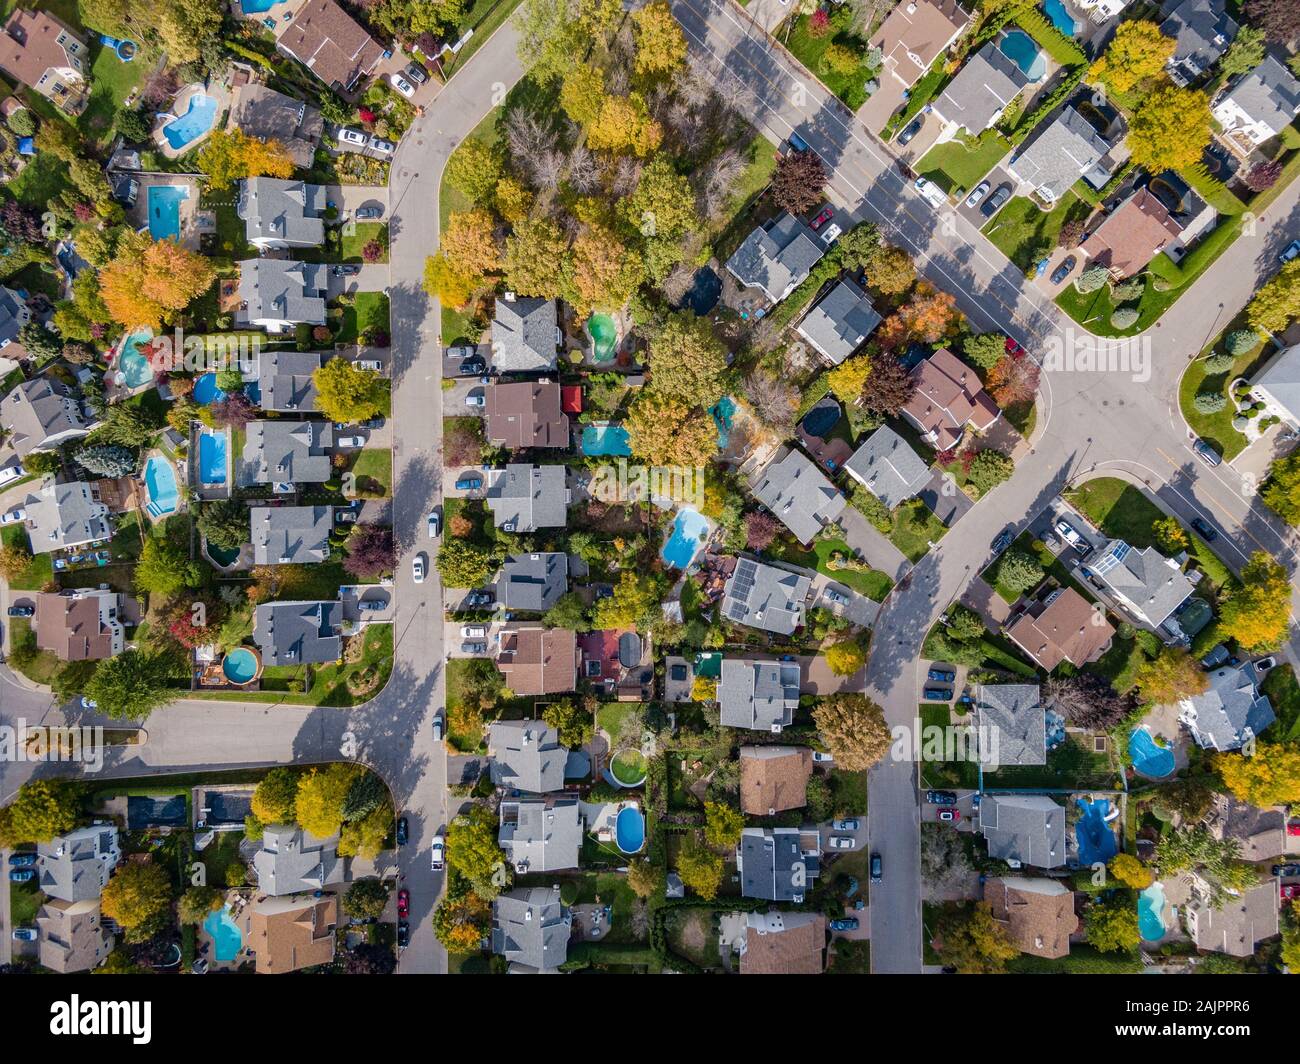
{"x": 948, "y": 396}
{"x": 538, "y": 661}
{"x": 286, "y": 934}
{"x": 774, "y": 778}
{"x": 30, "y": 46}
{"x": 1065, "y": 629}
{"x": 784, "y": 944}
{"x": 1037, "y": 913}
{"x": 71, "y": 936}
{"x": 526, "y": 414}
{"x": 69, "y": 626}
{"x": 914, "y": 34}
{"x": 330, "y": 43}
{"x": 1132, "y": 235}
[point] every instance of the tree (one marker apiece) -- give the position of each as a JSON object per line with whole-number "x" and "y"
{"x": 1087, "y": 701}
{"x": 1282, "y": 489}
{"x": 106, "y": 460}
{"x": 761, "y": 529}
{"x": 846, "y": 656}
{"x": 473, "y": 853}
{"x": 890, "y": 271}
{"x": 582, "y": 93}
{"x": 164, "y": 569}
{"x": 926, "y": 318}
{"x": 974, "y": 943}
{"x": 687, "y": 358}
{"x": 634, "y": 603}
{"x": 225, "y": 523}
{"x": 39, "y": 811}
{"x": 1170, "y": 129}
{"x": 853, "y": 728}
{"x": 722, "y": 825}
{"x": 1112, "y": 926}
{"x": 371, "y": 551}
{"x": 1018, "y": 570}
{"x": 276, "y": 797}
{"x": 645, "y": 879}
{"x": 989, "y": 469}
{"x": 1215, "y": 861}
{"x": 1170, "y": 677}
{"x": 15, "y": 561}
{"x": 859, "y": 245}
{"x": 700, "y": 870}
{"x": 197, "y": 903}
{"x": 799, "y": 182}
{"x": 1014, "y": 379}
{"x": 1280, "y": 19}
{"x": 366, "y": 794}
{"x": 1138, "y": 52}
{"x": 890, "y": 386}
{"x": 602, "y": 271}
{"x": 1092, "y": 279}
{"x": 322, "y": 793}
{"x": 551, "y": 34}
{"x": 365, "y": 836}
{"x": 536, "y": 257}
{"x": 347, "y": 393}
{"x": 462, "y": 919}
{"x": 985, "y": 350}
{"x": 1170, "y": 535}
{"x": 571, "y": 720}
{"x": 41, "y": 343}
{"x": 660, "y": 42}
{"x": 663, "y": 430}
{"x": 847, "y": 380}
{"x": 462, "y": 564}
{"x": 569, "y": 611}
{"x": 1258, "y": 612}
{"x": 230, "y": 155}
{"x": 1128, "y": 871}
{"x": 474, "y": 169}
{"x": 624, "y": 126}
{"x": 133, "y": 125}
{"x": 138, "y": 897}
{"x": 839, "y": 59}
{"x": 149, "y": 281}
{"x": 1277, "y": 301}
{"x": 1244, "y": 53}
{"x": 131, "y": 685}
{"x": 1270, "y": 776}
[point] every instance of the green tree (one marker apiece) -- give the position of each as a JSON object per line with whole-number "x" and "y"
{"x": 1018, "y": 571}
{"x": 347, "y": 393}
{"x": 973, "y": 942}
{"x": 164, "y": 569}
{"x": 196, "y": 903}
{"x": 989, "y": 469}
{"x": 571, "y": 720}
{"x": 722, "y": 825}
{"x": 687, "y": 359}
{"x": 635, "y": 600}
{"x": 536, "y": 257}
{"x": 366, "y": 898}
{"x": 473, "y": 853}
{"x": 1170, "y": 535}
{"x": 569, "y": 611}
{"x": 138, "y": 897}
{"x": 276, "y": 796}
{"x": 700, "y": 869}
{"x": 985, "y": 350}
{"x": 224, "y": 523}
{"x": 1112, "y": 927}
{"x": 1244, "y": 53}
{"x": 1282, "y": 489}
{"x": 1170, "y": 677}
{"x": 131, "y": 685}
{"x": 106, "y": 460}
{"x": 39, "y": 811}
{"x": 1277, "y": 302}
{"x": 462, "y": 564}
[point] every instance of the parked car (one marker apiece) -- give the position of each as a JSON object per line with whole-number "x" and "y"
{"x": 21, "y": 875}
{"x": 13, "y": 516}
{"x": 21, "y": 611}
{"x": 88, "y": 703}
{"x": 25, "y": 934}
{"x": 877, "y": 868}
{"x": 1289, "y": 252}
{"x": 995, "y": 202}
{"x": 835, "y": 596}
{"x": 476, "y": 400}
{"x": 1292, "y": 825}
{"x": 1003, "y": 541}
{"x": 473, "y": 648}
{"x": 844, "y": 923}
{"x": 1291, "y": 890}
{"x": 848, "y": 823}
{"x": 831, "y": 234}
{"x": 13, "y": 472}
{"x": 469, "y": 483}
{"x": 949, "y": 816}
{"x": 930, "y": 192}
{"x": 416, "y": 73}
{"x": 368, "y": 214}
{"x": 1064, "y": 269}
{"x": 352, "y": 138}
{"x": 418, "y": 568}
{"x": 796, "y": 142}
{"x": 825, "y": 216}
{"x": 941, "y": 675}
{"x": 473, "y": 631}
{"x": 842, "y": 842}
{"x": 350, "y": 441}
{"x": 1264, "y": 664}
{"x": 938, "y": 694}
{"x": 437, "y": 726}
{"x": 978, "y": 193}
{"x": 1070, "y": 534}
{"x": 384, "y": 147}
{"x": 435, "y": 524}
{"x": 345, "y": 269}
{"x": 370, "y": 363}
{"x": 1206, "y": 453}
{"x": 345, "y": 517}
{"x": 1286, "y": 870}
{"x": 1204, "y": 529}
{"x": 437, "y": 853}
{"x": 462, "y": 351}
{"x": 372, "y": 605}
{"x": 402, "y": 835}
{"x": 403, "y": 902}
{"x": 402, "y": 85}
{"x": 820, "y": 757}
{"x": 941, "y": 797}
{"x": 911, "y": 130}
{"x": 480, "y": 598}
{"x": 26, "y": 860}
{"x": 472, "y": 367}
{"x": 403, "y": 934}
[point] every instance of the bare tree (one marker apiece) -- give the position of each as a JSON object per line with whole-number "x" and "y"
{"x": 626, "y": 175}
{"x": 774, "y": 399}
{"x": 547, "y": 169}
{"x": 734, "y": 94}
{"x": 717, "y": 181}
{"x": 529, "y": 138}
{"x": 584, "y": 169}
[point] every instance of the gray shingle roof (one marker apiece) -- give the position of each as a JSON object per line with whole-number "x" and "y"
{"x": 1240, "y": 924}
{"x": 290, "y": 535}
{"x": 1202, "y": 30}
{"x": 1231, "y": 708}
{"x": 541, "y": 835}
{"x": 838, "y": 323}
{"x": 285, "y": 379}
{"x": 533, "y": 582}
{"x": 774, "y": 865}
{"x": 1149, "y": 581}
{"x": 1281, "y": 379}
{"x": 888, "y": 467}
{"x": 799, "y": 495}
{"x": 765, "y": 596}
{"x": 1014, "y": 712}
{"x": 292, "y": 860}
{"x": 39, "y": 411}
{"x": 286, "y": 212}
{"x": 982, "y": 88}
{"x": 283, "y": 290}
{"x": 288, "y": 452}
{"x": 528, "y": 497}
{"x": 531, "y": 928}
{"x": 1029, "y": 828}
{"x": 262, "y": 112}
{"x": 524, "y": 338}
{"x": 776, "y": 259}
{"x": 759, "y": 695}
{"x": 1269, "y": 94}
{"x": 13, "y": 314}
{"x": 76, "y": 866}
{"x": 65, "y": 515}
{"x": 526, "y": 755}
{"x": 298, "y": 633}
{"x": 1061, "y": 153}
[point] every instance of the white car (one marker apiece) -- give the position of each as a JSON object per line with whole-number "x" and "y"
{"x": 978, "y": 193}
{"x": 1068, "y": 533}
{"x": 13, "y": 472}
{"x": 13, "y": 516}
{"x": 830, "y": 234}
{"x": 352, "y": 138}
{"x": 820, "y": 757}
{"x": 88, "y": 703}
{"x": 437, "y": 853}
{"x": 384, "y": 147}
{"x": 472, "y": 631}
{"x": 402, "y": 85}
{"x": 418, "y": 569}
{"x": 350, "y": 441}
{"x": 435, "y": 524}
{"x": 475, "y": 400}
{"x": 842, "y": 842}
{"x": 369, "y": 363}
{"x": 930, "y": 192}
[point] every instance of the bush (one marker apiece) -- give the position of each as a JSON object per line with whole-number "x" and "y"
{"x": 1239, "y": 341}
{"x": 1127, "y": 290}
{"x": 1124, "y": 318}
{"x": 22, "y": 122}
{"x": 1219, "y": 362}
{"x": 1210, "y": 402}
{"x": 1092, "y": 279}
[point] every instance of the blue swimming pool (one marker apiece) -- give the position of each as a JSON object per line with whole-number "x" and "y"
{"x": 165, "y": 211}
{"x": 1149, "y": 758}
{"x": 723, "y": 411}
{"x": 1019, "y": 47}
{"x": 605, "y": 439}
{"x": 194, "y": 123}
{"x": 689, "y": 530}
{"x": 1060, "y": 17}
{"x": 1093, "y": 832}
{"x": 212, "y": 457}
{"x": 1151, "y": 907}
{"x": 132, "y": 362}
{"x": 160, "y": 483}
{"x": 227, "y": 939}
{"x": 629, "y": 829}
{"x": 256, "y": 7}
{"x": 240, "y": 665}
{"x": 206, "y": 391}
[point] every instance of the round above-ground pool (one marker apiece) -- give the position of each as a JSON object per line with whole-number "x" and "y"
{"x": 1151, "y": 907}
{"x": 1020, "y": 48}
{"x": 821, "y": 419}
{"x": 628, "y": 768}
{"x": 240, "y": 666}
{"x": 1149, "y": 757}
{"x": 629, "y": 829}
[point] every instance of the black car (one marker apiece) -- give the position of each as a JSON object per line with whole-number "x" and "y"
{"x": 1003, "y": 541}
{"x": 938, "y": 694}
{"x": 941, "y": 675}
{"x": 1205, "y": 530}
{"x": 402, "y": 834}
{"x": 941, "y": 797}
{"x": 994, "y": 203}
{"x": 472, "y": 366}
{"x": 416, "y": 73}
{"x": 479, "y": 598}
{"x": 877, "y": 868}
{"x": 911, "y": 130}
{"x": 22, "y": 611}
{"x": 403, "y": 934}
{"x": 1286, "y": 870}
{"x": 1064, "y": 270}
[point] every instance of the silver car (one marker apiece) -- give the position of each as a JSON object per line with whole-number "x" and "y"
{"x": 978, "y": 193}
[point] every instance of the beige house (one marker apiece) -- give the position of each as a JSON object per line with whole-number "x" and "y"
{"x": 39, "y": 51}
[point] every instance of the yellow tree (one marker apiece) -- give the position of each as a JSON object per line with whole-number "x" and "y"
{"x": 974, "y": 943}
{"x": 722, "y": 825}
{"x": 447, "y": 282}
{"x": 853, "y": 728}
{"x": 1173, "y": 675}
{"x": 663, "y": 430}
{"x": 321, "y": 794}
{"x": 1130, "y": 872}
{"x": 582, "y": 94}
{"x": 137, "y": 898}
{"x": 603, "y": 271}
{"x": 148, "y": 281}
{"x": 469, "y": 241}
{"x": 624, "y": 125}
{"x": 700, "y": 870}
{"x": 536, "y": 259}
{"x": 1270, "y": 776}
{"x": 229, "y": 155}
{"x": 1170, "y": 129}
{"x": 846, "y": 657}
{"x": 1277, "y": 302}
{"x": 1138, "y": 51}
{"x": 660, "y": 42}
{"x": 847, "y": 380}
{"x": 1258, "y": 612}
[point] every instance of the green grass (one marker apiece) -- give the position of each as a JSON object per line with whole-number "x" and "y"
{"x": 41, "y": 571}
{"x": 485, "y": 17}
{"x": 42, "y": 179}
{"x": 1281, "y": 689}
{"x": 870, "y": 582}
{"x": 1021, "y": 230}
{"x": 39, "y": 666}
{"x": 329, "y": 682}
{"x": 1049, "y": 561}
{"x": 915, "y": 527}
{"x": 1072, "y": 765}
{"x": 960, "y": 773}
{"x": 628, "y": 766}
{"x": 956, "y": 168}
{"x": 1082, "y": 960}
{"x": 1216, "y": 429}
{"x": 361, "y": 235}
{"x": 111, "y": 82}
{"x": 24, "y": 901}
{"x": 373, "y": 469}
{"x": 368, "y": 310}
{"x": 809, "y": 50}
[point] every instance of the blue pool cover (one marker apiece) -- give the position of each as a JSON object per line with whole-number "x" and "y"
{"x": 1149, "y": 758}
{"x": 629, "y": 829}
{"x": 1095, "y": 838}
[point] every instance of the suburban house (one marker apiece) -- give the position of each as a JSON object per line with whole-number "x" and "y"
{"x": 774, "y": 779}
{"x": 976, "y": 97}
{"x": 14, "y": 314}
{"x": 524, "y": 498}
{"x": 1229, "y": 711}
{"x": 331, "y": 44}
{"x": 531, "y": 928}
{"x": 779, "y": 943}
{"x": 532, "y": 582}
{"x": 1146, "y": 583}
{"x": 618, "y": 661}
{"x": 766, "y": 596}
{"x": 1012, "y": 723}
{"x": 526, "y": 755}
{"x": 39, "y": 51}
{"x": 1037, "y": 914}
{"x": 948, "y": 397}
{"x": 776, "y": 864}
{"x": 777, "y": 259}
{"x": 915, "y": 34}
{"x": 279, "y": 294}
{"x": 285, "y": 382}
{"x": 63, "y": 516}
{"x": 71, "y": 936}
{"x": 538, "y": 661}
{"x": 76, "y": 866}
{"x": 1243, "y": 921}
{"x": 1134, "y": 233}
{"x": 758, "y": 695}
{"x": 42, "y": 415}
{"x": 526, "y": 337}
{"x": 290, "y": 535}
{"x": 1258, "y": 107}
{"x": 288, "y": 934}
{"x": 1277, "y": 385}
{"x": 1064, "y": 626}
{"x": 524, "y": 414}
{"x": 840, "y": 322}
{"x": 284, "y": 453}
{"x": 1024, "y": 829}
{"x": 294, "y": 861}
{"x": 541, "y": 834}
{"x": 86, "y": 624}
{"x": 1260, "y": 834}
{"x": 298, "y": 633}
{"x": 1202, "y": 30}
{"x": 888, "y": 467}
{"x": 280, "y": 214}
{"x": 1061, "y": 152}
{"x": 799, "y": 495}
{"x": 262, "y": 112}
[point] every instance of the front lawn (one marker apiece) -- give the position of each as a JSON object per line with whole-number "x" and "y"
{"x": 1216, "y": 429}
{"x": 24, "y": 901}
{"x": 372, "y": 469}
{"x": 368, "y": 310}
{"x": 1049, "y": 561}
{"x": 330, "y": 683}
{"x": 1280, "y": 688}
{"x": 1024, "y": 233}
{"x": 915, "y": 528}
{"x": 357, "y": 235}
{"x": 41, "y": 571}
{"x": 867, "y": 581}
{"x": 957, "y": 168}
{"x": 955, "y": 773}
{"x": 809, "y": 50}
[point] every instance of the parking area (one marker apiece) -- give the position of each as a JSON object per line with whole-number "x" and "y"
{"x": 456, "y": 358}
{"x": 352, "y": 198}
{"x": 368, "y": 603}
{"x": 997, "y": 178}
{"x": 922, "y": 140}
{"x": 466, "y": 396}
{"x": 467, "y": 483}
{"x": 473, "y": 639}
{"x": 351, "y": 278}
{"x": 964, "y": 809}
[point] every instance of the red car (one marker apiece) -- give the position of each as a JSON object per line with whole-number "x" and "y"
{"x": 1291, "y": 890}
{"x": 1013, "y": 348}
{"x": 1293, "y": 827}
{"x": 403, "y": 902}
{"x": 950, "y": 815}
{"x": 822, "y": 218}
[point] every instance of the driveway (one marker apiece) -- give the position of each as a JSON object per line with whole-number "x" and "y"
{"x": 874, "y": 547}
{"x": 368, "y": 603}
{"x": 368, "y": 277}
{"x": 348, "y": 198}
{"x": 997, "y": 177}
{"x": 455, "y": 641}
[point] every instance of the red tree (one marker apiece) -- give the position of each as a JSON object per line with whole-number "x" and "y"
{"x": 760, "y": 529}
{"x": 1013, "y": 380}
{"x": 799, "y": 181}
{"x": 370, "y": 551}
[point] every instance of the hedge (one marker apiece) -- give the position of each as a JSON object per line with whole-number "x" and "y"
{"x": 1054, "y": 42}
{"x": 1212, "y": 190}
